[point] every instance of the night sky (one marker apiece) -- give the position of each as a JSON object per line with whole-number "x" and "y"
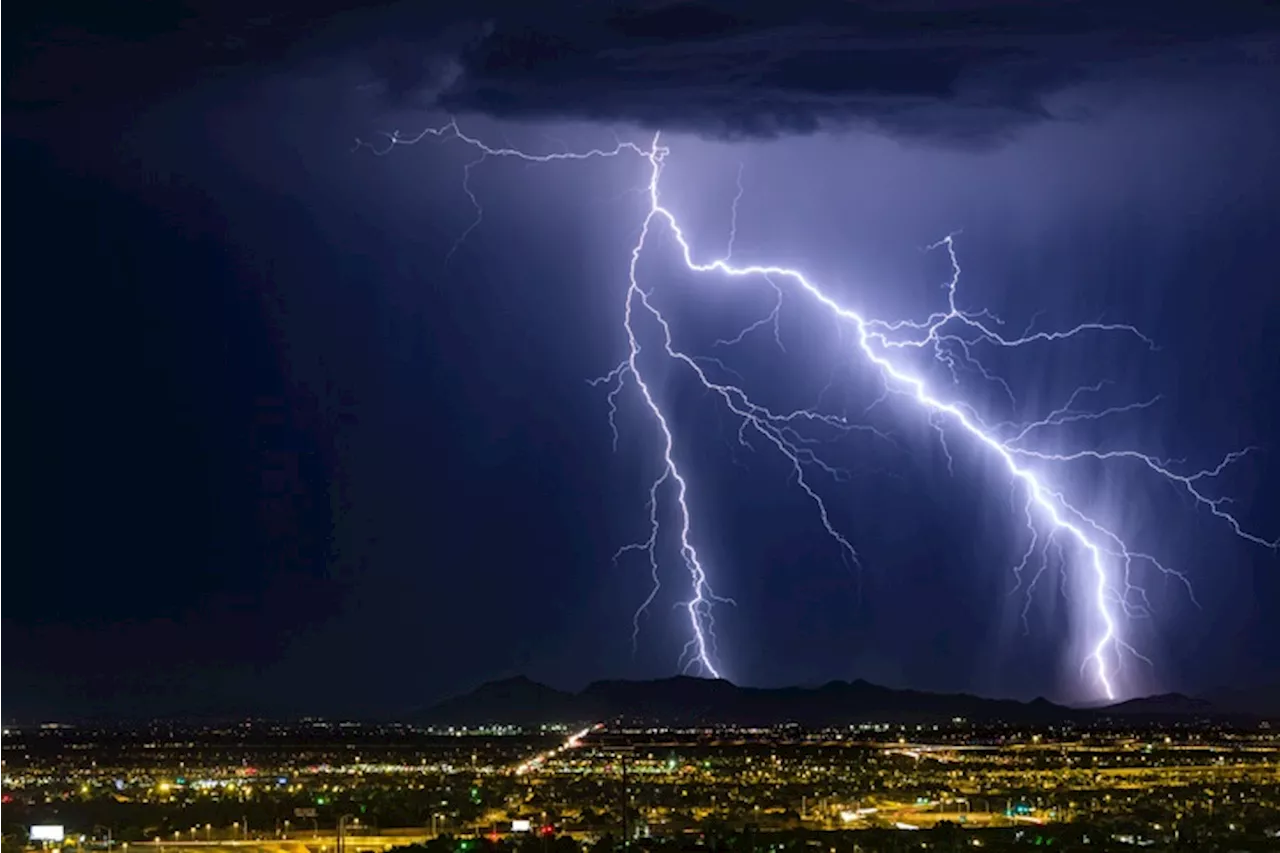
{"x": 274, "y": 450}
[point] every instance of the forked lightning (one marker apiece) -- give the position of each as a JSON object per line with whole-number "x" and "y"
{"x": 948, "y": 336}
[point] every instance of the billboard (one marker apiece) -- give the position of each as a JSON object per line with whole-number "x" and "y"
{"x": 520, "y": 826}
{"x": 47, "y": 833}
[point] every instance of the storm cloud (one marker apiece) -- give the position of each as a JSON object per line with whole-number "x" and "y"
{"x": 964, "y": 72}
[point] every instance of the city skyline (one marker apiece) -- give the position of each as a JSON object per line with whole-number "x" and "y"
{"x": 314, "y": 786}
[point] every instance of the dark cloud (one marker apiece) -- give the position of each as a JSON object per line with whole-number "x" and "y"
{"x": 963, "y": 70}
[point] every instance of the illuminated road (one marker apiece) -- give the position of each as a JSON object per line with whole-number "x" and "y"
{"x": 298, "y": 844}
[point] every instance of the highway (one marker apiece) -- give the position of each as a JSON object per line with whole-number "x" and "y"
{"x": 307, "y": 843}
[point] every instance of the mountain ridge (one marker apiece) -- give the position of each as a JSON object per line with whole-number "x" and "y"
{"x": 686, "y": 700}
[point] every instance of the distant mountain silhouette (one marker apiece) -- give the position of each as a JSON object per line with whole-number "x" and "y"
{"x": 1162, "y": 705}
{"x": 701, "y": 701}
{"x": 519, "y": 701}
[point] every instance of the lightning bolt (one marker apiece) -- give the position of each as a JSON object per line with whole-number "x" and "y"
{"x": 949, "y": 337}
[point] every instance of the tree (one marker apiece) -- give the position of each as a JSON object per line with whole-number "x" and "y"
{"x": 947, "y": 835}
{"x": 15, "y": 839}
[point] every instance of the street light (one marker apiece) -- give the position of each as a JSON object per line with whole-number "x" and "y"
{"x": 622, "y": 753}
{"x": 342, "y": 832}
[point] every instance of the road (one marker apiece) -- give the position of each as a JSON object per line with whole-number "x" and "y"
{"x": 307, "y": 843}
